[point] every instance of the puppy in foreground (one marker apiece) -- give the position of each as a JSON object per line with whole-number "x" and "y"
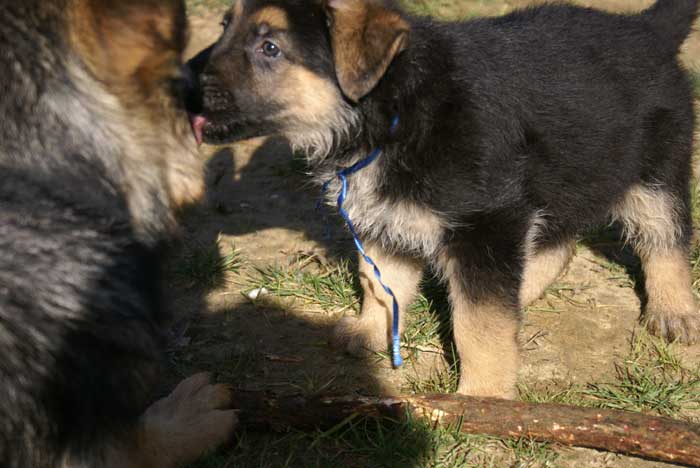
{"x": 515, "y": 135}
{"x": 96, "y": 152}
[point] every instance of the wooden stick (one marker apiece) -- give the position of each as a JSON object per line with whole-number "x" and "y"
{"x": 651, "y": 437}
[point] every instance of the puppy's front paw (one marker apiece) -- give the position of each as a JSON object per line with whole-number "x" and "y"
{"x": 681, "y": 327}
{"x": 359, "y": 337}
{"x": 503, "y": 390}
{"x": 195, "y": 418}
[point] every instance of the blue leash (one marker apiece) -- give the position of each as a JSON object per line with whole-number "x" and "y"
{"x": 343, "y": 176}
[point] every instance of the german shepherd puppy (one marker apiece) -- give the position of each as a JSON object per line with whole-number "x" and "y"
{"x": 515, "y": 135}
{"x": 95, "y": 154}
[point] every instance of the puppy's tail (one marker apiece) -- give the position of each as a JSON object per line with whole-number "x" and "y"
{"x": 672, "y": 19}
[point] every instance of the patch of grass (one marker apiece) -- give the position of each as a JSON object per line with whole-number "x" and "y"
{"x": 651, "y": 379}
{"x": 428, "y": 8}
{"x": 695, "y": 79}
{"x": 531, "y": 453}
{"x": 695, "y": 263}
{"x": 204, "y": 266}
{"x": 208, "y": 4}
{"x": 440, "y": 380}
{"x": 569, "y": 395}
{"x": 360, "y": 443}
{"x": 330, "y": 287}
{"x": 252, "y": 450}
{"x": 448, "y": 447}
{"x": 429, "y": 328}
{"x": 354, "y": 443}
{"x": 429, "y": 322}
{"x": 333, "y": 287}
{"x": 695, "y": 251}
{"x": 429, "y": 333}
{"x": 456, "y": 9}
{"x": 425, "y": 325}
{"x": 212, "y": 460}
{"x": 315, "y": 382}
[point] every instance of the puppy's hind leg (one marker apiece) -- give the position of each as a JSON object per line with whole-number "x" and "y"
{"x": 654, "y": 222}
{"x": 371, "y": 331}
{"x": 542, "y": 267}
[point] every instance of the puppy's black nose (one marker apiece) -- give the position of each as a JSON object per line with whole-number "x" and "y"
{"x": 192, "y": 75}
{"x": 188, "y": 76}
{"x": 199, "y": 62}
{"x": 192, "y": 91}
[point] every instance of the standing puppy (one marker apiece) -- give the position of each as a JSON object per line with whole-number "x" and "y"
{"x": 515, "y": 135}
{"x": 95, "y": 154}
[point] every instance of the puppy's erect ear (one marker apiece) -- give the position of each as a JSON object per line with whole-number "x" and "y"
{"x": 366, "y": 36}
{"x": 129, "y": 43}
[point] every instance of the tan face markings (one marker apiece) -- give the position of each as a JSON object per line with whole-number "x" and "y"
{"x": 306, "y": 95}
{"x": 274, "y": 17}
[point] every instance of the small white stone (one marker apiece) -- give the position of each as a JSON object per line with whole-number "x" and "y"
{"x": 257, "y": 293}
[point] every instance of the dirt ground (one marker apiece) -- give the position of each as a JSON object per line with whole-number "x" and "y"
{"x": 259, "y": 228}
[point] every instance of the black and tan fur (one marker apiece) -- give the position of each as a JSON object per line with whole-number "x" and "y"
{"x": 96, "y": 154}
{"x": 516, "y": 135}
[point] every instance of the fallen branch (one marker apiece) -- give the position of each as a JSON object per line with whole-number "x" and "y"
{"x": 623, "y": 432}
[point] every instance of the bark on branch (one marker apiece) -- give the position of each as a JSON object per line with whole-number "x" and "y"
{"x": 651, "y": 437}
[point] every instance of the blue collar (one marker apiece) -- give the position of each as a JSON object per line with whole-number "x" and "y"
{"x": 342, "y": 174}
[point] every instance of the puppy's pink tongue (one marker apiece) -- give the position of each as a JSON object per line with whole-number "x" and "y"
{"x": 198, "y": 122}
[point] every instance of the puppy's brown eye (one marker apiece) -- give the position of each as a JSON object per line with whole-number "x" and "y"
{"x": 270, "y": 49}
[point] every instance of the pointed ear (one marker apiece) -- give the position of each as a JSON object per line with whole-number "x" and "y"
{"x": 366, "y": 36}
{"x": 129, "y": 43}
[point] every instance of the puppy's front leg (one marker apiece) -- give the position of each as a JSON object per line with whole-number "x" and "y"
{"x": 371, "y": 331}
{"x": 487, "y": 337}
{"x": 484, "y": 272}
{"x": 176, "y": 430}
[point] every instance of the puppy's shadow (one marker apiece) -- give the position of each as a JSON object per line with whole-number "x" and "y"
{"x": 271, "y": 190}
{"x": 609, "y": 243}
{"x": 259, "y": 193}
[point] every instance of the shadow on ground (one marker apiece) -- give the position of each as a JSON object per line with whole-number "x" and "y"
{"x": 257, "y": 346}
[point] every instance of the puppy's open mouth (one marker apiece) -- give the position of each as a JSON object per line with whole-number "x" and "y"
{"x": 198, "y": 122}
{"x": 217, "y": 130}
{"x": 213, "y": 120}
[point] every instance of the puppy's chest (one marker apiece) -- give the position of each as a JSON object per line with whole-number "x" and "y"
{"x": 398, "y": 224}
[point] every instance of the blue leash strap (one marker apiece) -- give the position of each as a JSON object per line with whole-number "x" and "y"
{"x": 343, "y": 174}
